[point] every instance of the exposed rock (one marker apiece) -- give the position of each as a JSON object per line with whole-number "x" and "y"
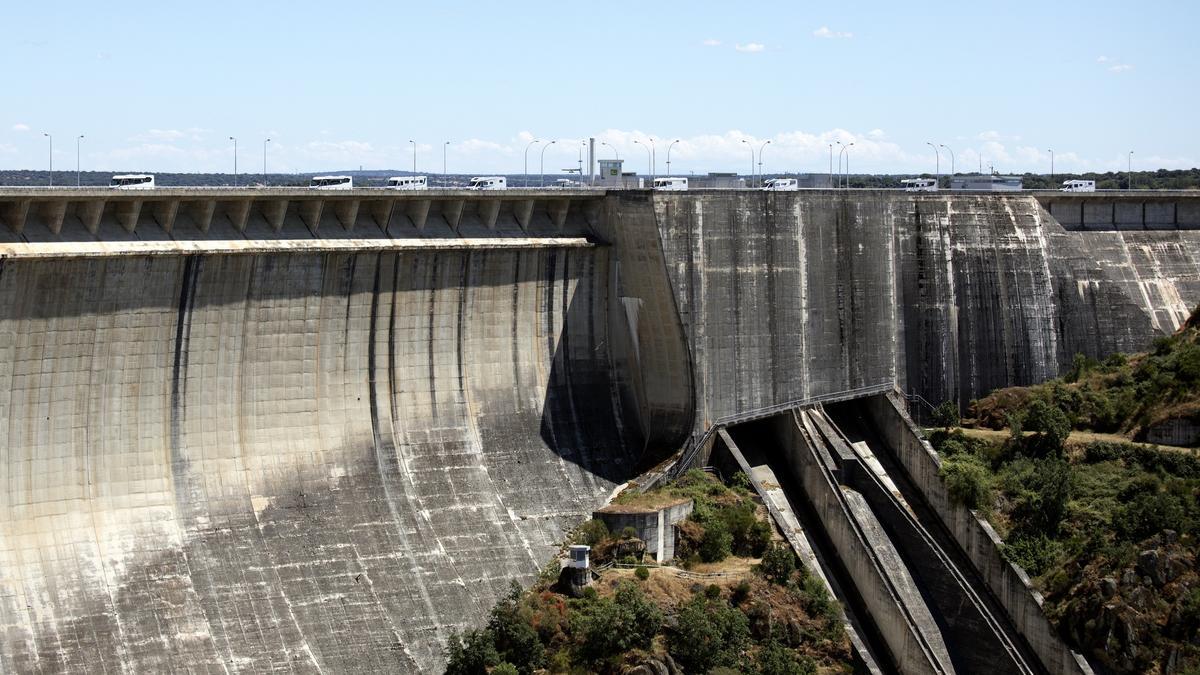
{"x": 1150, "y": 564}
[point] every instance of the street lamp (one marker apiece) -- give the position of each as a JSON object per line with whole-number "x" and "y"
{"x": 760, "y": 151}
{"x": 445, "y": 146}
{"x": 831, "y": 165}
{"x": 47, "y": 135}
{"x": 669, "y": 155}
{"x": 951, "y": 151}
{"x": 751, "y": 183}
{"x": 649, "y": 160}
{"x": 234, "y": 160}
{"x": 1051, "y": 151}
{"x": 1129, "y": 171}
{"x": 265, "y": 160}
{"x": 525, "y": 174}
{"x": 78, "y": 139}
{"x": 841, "y": 149}
{"x": 542, "y": 166}
{"x": 582, "y": 145}
{"x": 414, "y": 144}
{"x": 937, "y": 165}
{"x": 847, "y": 149}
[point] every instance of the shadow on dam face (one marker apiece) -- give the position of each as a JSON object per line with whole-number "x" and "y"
{"x": 291, "y": 461}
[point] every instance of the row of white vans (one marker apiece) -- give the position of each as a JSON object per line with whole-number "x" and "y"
{"x": 146, "y": 182}
{"x": 931, "y": 185}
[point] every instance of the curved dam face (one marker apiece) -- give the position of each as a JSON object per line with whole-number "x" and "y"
{"x": 301, "y": 462}
{"x": 261, "y": 430}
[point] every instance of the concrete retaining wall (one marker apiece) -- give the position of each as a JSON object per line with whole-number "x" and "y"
{"x": 1007, "y": 582}
{"x": 655, "y": 527}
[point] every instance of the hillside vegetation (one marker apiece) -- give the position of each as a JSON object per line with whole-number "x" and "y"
{"x": 1108, "y": 531}
{"x": 746, "y": 606}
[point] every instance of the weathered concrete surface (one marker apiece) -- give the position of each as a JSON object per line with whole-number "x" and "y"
{"x": 290, "y": 462}
{"x": 329, "y": 449}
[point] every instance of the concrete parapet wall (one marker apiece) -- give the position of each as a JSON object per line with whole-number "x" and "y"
{"x": 977, "y": 539}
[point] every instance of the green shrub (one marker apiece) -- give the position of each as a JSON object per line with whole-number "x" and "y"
{"x": 967, "y": 481}
{"x": 1050, "y": 426}
{"x": 740, "y": 593}
{"x": 709, "y": 634}
{"x": 1035, "y": 553}
{"x": 778, "y": 564}
{"x": 712, "y": 591}
{"x": 946, "y": 415}
{"x": 513, "y": 634}
{"x": 505, "y": 668}
{"x": 776, "y": 659}
{"x": 1151, "y": 512}
{"x": 739, "y": 480}
{"x": 628, "y": 532}
{"x": 608, "y": 627}
{"x": 592, "y": 532}
{"x": 642, "y": 573}
{"x": 470, "y": 654}
{"x": 717, "y": 542}
{"x": 1040, "y": 490}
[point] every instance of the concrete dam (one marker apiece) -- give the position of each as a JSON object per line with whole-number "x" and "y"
{"x": 269, "y": 430}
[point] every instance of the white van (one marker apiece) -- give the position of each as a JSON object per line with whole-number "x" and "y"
{"x": 1079, "y": 186}
{"x": 133, "y": 181}
{"x": 781, "y": 185}
{"x": 408, "y": 183}
{"x": 332, "y": 183}
{"x": 920, "y": 184}
{"x": 488, "y": 183}
{"x": 671, "y": 184}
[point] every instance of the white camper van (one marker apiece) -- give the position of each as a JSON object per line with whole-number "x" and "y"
{"x": 332, "y": 183}
{"x": 781, "y": 185}
{"x": 671, "y": 184}
{"x": 920, "y": 184}
{"x": 408, "y": 183}
{"x": 133, "y": 181}
{"x": 488, "y": 183}
{"x": 1079, "y": 186}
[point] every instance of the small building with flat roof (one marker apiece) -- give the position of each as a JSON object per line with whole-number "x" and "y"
{"x": 654, "y": 524}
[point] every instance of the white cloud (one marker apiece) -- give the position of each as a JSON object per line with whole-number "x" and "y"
{"x": 824, "y": 32}
{"x": 876, "y": 134}
{"x": 1113, "y": 65}
{"x": 20, "y": 127}
{"x": 711, "y": 43}
{"x": 752, "y": 47}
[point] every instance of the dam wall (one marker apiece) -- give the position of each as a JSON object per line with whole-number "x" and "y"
{"x": 255, "y": 430}
{"x": 310, "y": 462}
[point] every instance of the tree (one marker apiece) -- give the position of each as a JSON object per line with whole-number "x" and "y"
{"x": 717, "y": 542}
{"x": 609, "y": 627}
{"x": 1051, "y": 427}
{"x": 777, "y": 659}
{"x": 515, "y": 638}
{"x": 472, "y": 653}
{"x": 966, "y": 480}
{"x": 946, "y": 414}
{"x": 709, "y": 634}
{"x": 778, "y": 564}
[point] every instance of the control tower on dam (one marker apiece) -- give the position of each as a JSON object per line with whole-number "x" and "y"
{"x": 260, "y": 429}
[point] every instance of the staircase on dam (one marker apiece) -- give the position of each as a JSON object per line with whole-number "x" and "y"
{"x": 914, "y": 601}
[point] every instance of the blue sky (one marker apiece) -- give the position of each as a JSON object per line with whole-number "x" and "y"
{"x": 162, "y": 86}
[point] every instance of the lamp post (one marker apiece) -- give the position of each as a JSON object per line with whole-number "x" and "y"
{"x": 234, "y": 160}
{"x": 582, "y": 145}
{"x": 649, "y": 160}
{"x": 1051, "y": 151}
{"x": 525, "y": 173}
{"x": 669, "y": 155}
{"x": 265, "y": 160}
{"x": 47, "y": 135}
{"x": 760, "y": 152}
{"x": 751, "y": 182}
{"x": 951, "y": 151}
{"x": 841, "y": 149}
{"x": 78, "y": 173}
{"x": 542, "y": 166}
{"x": 831, "y": 165}
{"x": 615, "y": 155}
{"x": 847, "y": 149}
{"x": 414, "y": 144}
{"x": 1129, "y": 171}
{"x": 937, "y": 165}
{"x": 445, "y": 179}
